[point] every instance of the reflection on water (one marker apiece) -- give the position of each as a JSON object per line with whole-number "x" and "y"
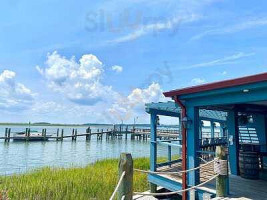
{"x": 18, "y": 157}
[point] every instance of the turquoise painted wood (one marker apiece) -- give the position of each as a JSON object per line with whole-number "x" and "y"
{"x": 164, "y": 182}
{"x": 193, "y": 145}
{"x": 153, "y": 141}
{"x": 233, "y": 90}
{"x": 173, "y": 185}
{"x": 212, "y": 128}
{"x": 233, "y": 147}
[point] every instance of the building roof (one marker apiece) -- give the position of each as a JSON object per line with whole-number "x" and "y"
{"x": 172, "y": 107}
{"x": 218, "y": 85}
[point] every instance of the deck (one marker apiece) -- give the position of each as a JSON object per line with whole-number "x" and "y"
{"x": 240, "y": 188}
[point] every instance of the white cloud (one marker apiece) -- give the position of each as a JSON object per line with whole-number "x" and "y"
{"x": 170, "y": 24}
{"x": 224, "y": 73}
{"x": 222, "y": 61}
{"x": 132, "y": 105}
{"x": 117, "y": 68}
{"x": 80, "y": 81}
{"x": 248, "y": 24}
{"x": 197, "y": 81}
{"x": 13, "y": 95}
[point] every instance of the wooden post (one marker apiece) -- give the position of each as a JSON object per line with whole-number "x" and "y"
{"x": 221, "y": 180}
{"x": 8, "y": 134}
{"x": 6, "y": 130}
{"x": 76, "y": 133}
{"x": 45, "y": 134}
{"x": 62, "y": 133}
{"x": 28, "y": 133}
{"x": 72, "y": 135}
{"x": 126, "y": 187}
{"x": 87, "y": 135}
{"x": 126, "y": 132}
{"x": 57, "y": 134}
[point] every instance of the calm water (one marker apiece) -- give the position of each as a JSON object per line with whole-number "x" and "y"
{"x": 19, "y": 157}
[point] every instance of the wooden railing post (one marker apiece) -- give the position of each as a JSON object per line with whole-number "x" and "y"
{"x": 126, "y": 187}
{"x": 221, "y": 180}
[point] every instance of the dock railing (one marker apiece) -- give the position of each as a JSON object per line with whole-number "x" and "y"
{"x": 124, "y": 188}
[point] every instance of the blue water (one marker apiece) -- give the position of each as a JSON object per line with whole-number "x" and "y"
{"x": 20, "y": 157}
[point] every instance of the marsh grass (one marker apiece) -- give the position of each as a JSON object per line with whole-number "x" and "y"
{"x": 95, "y": 181}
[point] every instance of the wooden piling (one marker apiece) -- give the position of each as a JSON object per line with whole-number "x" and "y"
{"x": 57, "y": 134}
{"x": 87, "y": 137}
{"x": 62, "y": 134}
{"x": 221, "y": 180}
{"x": 97, "y": 135}
{"x": 126, "y": 132}
{"x": 8, "y": 134}
{"x": 45, "y": 134}
{"x": 76, "y": 133}
{"x": 126, "y": 187}
{"x": 28, "y": 133}
{"x": 72, "y": 138}
{"x": 6, "y": 130}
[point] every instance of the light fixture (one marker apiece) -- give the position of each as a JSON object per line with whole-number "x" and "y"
{"x": 186, "y": 122}
{"x": 157, "y": 121}
{"x": 246, "y": 90}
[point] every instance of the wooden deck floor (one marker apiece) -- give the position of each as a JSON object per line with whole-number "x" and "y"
{"x": 240, "y": 188}
{"x": 205, "y": 173}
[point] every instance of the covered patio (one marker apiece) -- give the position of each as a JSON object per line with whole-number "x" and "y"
{"x": 230, "y": 113}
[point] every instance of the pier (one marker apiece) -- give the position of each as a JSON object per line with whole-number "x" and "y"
{"x": 117, "y": 132}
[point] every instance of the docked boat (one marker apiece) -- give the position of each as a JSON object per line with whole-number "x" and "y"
{"x": 33, "y": 136}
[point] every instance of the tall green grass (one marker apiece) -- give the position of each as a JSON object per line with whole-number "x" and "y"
{"x": 96, "y": 181}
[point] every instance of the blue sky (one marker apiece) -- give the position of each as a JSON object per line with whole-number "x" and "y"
{"x": 85, "y": 61}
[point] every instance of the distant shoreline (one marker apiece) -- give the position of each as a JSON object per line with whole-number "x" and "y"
{"x": 76, "y": 125}
{"x": 48, "y": 124}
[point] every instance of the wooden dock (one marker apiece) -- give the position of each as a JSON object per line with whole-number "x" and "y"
{"x": 117, "y": 132}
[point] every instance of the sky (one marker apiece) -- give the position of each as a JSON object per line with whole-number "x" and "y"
{"x": 77, "y": 61}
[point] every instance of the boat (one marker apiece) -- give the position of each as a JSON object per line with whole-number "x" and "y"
{"x": 34, "y": 136}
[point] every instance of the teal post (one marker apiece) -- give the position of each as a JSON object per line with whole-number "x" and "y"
{"x": 192, "y": 146}
{"x": 212, "y": 129}
{"x": 232, "y": 126}
{"x": 153, "y": 148}
{"x": 169, "y": 152}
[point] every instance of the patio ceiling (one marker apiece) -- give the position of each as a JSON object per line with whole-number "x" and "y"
{"x": 171, "y": 109}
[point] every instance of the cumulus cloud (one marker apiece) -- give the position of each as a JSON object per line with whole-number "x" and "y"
{"x": 117, "y": 68}
{"x": 79, "y": 81}
{"x": 134, "y": 104}
{"x": 14, "y": 95}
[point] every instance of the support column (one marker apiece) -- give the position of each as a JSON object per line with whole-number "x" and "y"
{"x": 212, "y": 129}
{"x": 193, "y": 146}
{"x": 232, "y": 127}
{"x": 153, "y": 147}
